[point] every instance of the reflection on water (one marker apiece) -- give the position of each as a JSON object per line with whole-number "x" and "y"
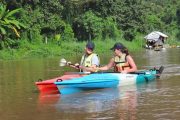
{"x": 115, "y": 103}
{"x": 47, "y": 99}
{"x": 123, "y": 100}
{"x": 94, "y": 101}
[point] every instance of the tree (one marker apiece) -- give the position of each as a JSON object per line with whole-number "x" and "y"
{"x": 88, "y": 26}
{"x": 128, "y": 14}
{"x": 8, "y": 22}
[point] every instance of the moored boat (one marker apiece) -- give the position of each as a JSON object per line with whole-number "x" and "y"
{"x": 106, "y": 80}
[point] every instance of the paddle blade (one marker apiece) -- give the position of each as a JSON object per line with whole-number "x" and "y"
{"x": 62, "y": 62}
{"x": 161, "y": 69}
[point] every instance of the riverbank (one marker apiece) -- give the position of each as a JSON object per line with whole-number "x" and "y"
{"x": 28, "y": 50}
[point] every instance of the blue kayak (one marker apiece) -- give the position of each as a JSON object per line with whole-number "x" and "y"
{"x": 105, "y": 80}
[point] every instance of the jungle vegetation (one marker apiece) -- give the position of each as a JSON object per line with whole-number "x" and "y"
{"x": 51, "y": 27}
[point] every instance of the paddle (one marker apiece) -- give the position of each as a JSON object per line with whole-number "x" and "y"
{"x": 63, "y": 62}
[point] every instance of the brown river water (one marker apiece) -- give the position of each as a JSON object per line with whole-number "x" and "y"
{"x": 157, "y": 100}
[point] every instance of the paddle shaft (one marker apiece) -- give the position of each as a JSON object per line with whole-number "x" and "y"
{"x": 73, "y": 65}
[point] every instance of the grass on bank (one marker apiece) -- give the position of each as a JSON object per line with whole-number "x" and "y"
{"x": 28, "y": 50}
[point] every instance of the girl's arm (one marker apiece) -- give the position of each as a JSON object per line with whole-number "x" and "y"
{"x": 106, "y": 67}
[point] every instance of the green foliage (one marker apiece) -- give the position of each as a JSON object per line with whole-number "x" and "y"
{"x": 178, "y": 36}
{"x": 128, "y": 14}
{"x": 94, "y": 27}
{"x": 110, "y": 29}
{"x": 57, "y": 37}
{"x": 71, "y": 10}
{"x": 8, "y": 20}
{"x": 52, "y": 23}
{"x": 29, "y": 50}
{"x": 178, "y": 16}
{"x": 68, "y": 34}
{"x": 129, "y": 35}
{"x": 9, "y": 24}
{"x": 154, "y": 22}
{"x": 32, "y": 20}
{"x": 94, "y": 19}
{"x": 90, "y": 25}
{"x": 44, "y": 21}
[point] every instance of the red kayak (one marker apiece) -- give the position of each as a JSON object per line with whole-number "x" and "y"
{"x": 49, "y": 87}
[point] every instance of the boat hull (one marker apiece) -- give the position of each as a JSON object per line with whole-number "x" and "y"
{"x": 48, "y": 86}
{"x": 103, "y": 80}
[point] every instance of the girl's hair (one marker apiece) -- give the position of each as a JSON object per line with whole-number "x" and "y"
{"x": 125, "y": 50}
{"x": 121, "y": 47}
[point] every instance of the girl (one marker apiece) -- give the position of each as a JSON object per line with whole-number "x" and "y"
{"x": 122, "y": 61}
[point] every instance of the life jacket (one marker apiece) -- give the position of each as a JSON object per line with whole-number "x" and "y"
{"x": 87, "y": 60}
{"x": 121, "y": 63}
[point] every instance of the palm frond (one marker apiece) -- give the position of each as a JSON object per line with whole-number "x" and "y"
{"x": 2, "y": 11}
{"x": 13, "y": 22}
{"x": 6, "y": 21}
{"x": 11, "y": 13}
{"x": 3, "y": 31}
{"x": 22, "y": 25}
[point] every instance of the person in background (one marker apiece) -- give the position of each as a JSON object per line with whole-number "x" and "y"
{"x": 90, "y": 60}
{"x": 122, "y": 61}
